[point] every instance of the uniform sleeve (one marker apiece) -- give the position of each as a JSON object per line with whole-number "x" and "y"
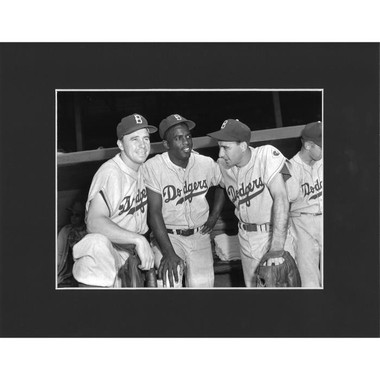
{"x": 216, "y": 174}
{"x": 221, "y": 165}
{"x": 108, "y": 183}
{"x": 293, "y": 183}
{"x": 149, "y": 173}
{"x": 272, "y": 162}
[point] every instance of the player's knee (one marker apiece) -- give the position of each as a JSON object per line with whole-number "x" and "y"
{"x": 89, "y": 272}
{"x": 91, "y": 242}
{"x": 94, "y": 263}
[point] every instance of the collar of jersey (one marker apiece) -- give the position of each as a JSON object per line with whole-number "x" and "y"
{"x": 126, "y": 169}
{"x": 173, "y": 166}
{"x": 298, "y": 159}
{"x": 249, "y": 164}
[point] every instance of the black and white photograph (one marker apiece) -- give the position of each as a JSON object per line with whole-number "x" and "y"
{"x": 213, "y": 189}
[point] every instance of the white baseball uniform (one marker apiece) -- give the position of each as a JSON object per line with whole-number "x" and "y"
{"x": 184, "y": 206}
{"x": 97, "y": 260}
{"x": 247, "y": 188}
{"x": 306, "y": 207}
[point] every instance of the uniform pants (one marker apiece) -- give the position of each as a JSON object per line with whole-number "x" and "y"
{"x": 253, "y": 246}
{"x": 307, "y": 233}
{"x": 97, "y": 261}
{"x": 195, "y": 250}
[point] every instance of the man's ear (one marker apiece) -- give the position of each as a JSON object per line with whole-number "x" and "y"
{"x": 165, "y": 144}
{"x": 243, "y": 146}
{"x": 120, "y": 145}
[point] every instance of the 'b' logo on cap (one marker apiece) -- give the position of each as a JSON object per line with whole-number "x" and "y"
{"x": 138, "y": 118}
{"x": 178, "y": 117}
{"x": 224, "y": 124}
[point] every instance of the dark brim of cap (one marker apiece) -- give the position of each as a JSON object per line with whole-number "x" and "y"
{"x": 151, "y": 129}
{"x": 314, "y": 140}
{"x": 190, "y": 124}
{"x": 222, "y": 135}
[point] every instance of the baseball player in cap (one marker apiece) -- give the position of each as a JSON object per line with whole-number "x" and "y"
{"x": 116, "y": 210}
{"x": 306, "y": 204}
{"x": 253, "y": 179}
{"x": 177, "y": 183}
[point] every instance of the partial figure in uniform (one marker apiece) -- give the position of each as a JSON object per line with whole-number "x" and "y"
{"x": 306, "y": 204}
{"x": 177, "y": 183}
{"x": 68, "y": 236}
{"x": 117, "y": 210}
{"x": 253, "y": 179}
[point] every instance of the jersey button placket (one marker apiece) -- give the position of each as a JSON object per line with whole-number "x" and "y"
{"x": 186, "y": 203}
{"x": 242, "y": 206}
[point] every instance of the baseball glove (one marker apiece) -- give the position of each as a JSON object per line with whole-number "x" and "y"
{"x": 133, "y": 277}
{"x": 277, "y": 276}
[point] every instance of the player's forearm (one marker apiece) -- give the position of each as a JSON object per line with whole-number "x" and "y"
{"x": 157, "y": 224}
{"x": 219, "y": 199}
{"x": 280, "y": 222}
{"x": 112, "y": 231}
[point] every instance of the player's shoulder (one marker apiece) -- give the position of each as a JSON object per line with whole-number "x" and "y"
{"x": 269, "y": 150}
{"x": 296, "y": 161}
{"x": 295, "y": 164}
{"x": 108, "y": 168}
{"x": 157, "y": 159}
{"x": 200, "y": 158}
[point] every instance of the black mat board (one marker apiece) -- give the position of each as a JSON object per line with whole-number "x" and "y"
{"x": 348, "y": 306}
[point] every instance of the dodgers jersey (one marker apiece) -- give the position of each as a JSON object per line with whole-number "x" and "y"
{"x": 183, "y": 191}
{"x": 305, "y": 186}
{"x": 247, "y": 187}
{"x": 124, "y": 192}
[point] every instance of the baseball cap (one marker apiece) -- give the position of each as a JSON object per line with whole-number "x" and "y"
{"x": 232, "y": 130}
{"x": 171, "y": 121}
{"x": 313, "y": 132}
{"x": 133, "y": 123}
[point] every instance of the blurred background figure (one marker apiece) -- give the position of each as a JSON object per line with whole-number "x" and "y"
{"x": 67, "y": 237}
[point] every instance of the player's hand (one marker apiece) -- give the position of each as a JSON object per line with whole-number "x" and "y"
{"x": 209, "y": 225}
{"x": 275, "y": 261}
{"x": 145, "y": 253}
{"x": 169, "y": 265}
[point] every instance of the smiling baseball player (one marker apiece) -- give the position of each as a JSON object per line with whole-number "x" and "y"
{"x": 253, "y": 179}
{"x": 177, "y": 182}
{"x": 116, "y": 210}
{"x": 306, "y": 204}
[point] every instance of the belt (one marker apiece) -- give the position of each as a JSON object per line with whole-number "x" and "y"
{"x": 305, "y": 213}
{"x": 265, "y": 227}
{"x": 188, "y": 232}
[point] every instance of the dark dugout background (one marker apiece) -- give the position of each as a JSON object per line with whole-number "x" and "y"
{"x": 87, "y": 120}
{"x": 29, "y": 304}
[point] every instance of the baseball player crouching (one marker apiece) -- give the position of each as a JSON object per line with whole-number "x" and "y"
{"x": 116, "y": 210}
{"x": 253, "y": 179}
{"x": 306, "y": 204}
{"x": 177, "y": 183}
